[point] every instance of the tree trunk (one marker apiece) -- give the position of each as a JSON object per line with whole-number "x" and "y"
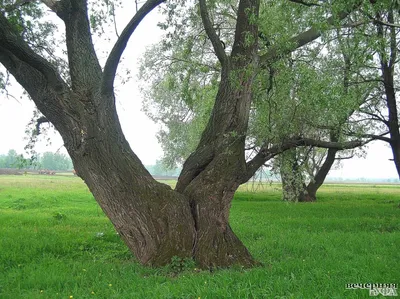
{"x": 387, "y": 69}
{"x": 154, "y": 221}
{"x": 210, "y": 197}
{"x": 214, "y": 171}
{"x": 396, "y": 155}
{"x": 393, "y": 122}
{"x": 212, "y": 174}
{"x": 319, "y": 178}
{"x": 293, "y": 186}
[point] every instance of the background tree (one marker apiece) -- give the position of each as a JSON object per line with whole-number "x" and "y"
{"x": 380, "y": 113}
{"x": 10, "y": 160}
{"x": 55, "y": 161}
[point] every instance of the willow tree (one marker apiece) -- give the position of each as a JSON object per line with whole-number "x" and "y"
{"x": 155, "y": 221}
{"x": 304, "y": 93}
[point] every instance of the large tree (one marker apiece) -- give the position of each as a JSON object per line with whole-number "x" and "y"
{"x": 155, "y": 221}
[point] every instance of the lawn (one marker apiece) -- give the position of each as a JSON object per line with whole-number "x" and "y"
{"x": 55, "y": 242}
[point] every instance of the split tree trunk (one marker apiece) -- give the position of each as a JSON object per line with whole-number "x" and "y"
{"x": 155, "y": 222}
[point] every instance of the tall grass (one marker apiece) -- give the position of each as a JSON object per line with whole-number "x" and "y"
{"x": 55, "y": 242}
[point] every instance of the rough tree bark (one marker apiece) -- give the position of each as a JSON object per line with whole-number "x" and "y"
{"x": 155, "y": 222}
{"x": 211, "y": 175}
{"x": 293, "y": 186}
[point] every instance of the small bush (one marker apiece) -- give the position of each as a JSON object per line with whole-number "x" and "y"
{"x": 179, "y": 265}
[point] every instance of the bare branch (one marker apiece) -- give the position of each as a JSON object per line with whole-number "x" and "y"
{"x": 212, "y": 35}
{"x": 114, "y": 19}
{"x": 13, "y": 44}
{"x": 110, "y": 68}
{"x": 375, "y": 117}
{"x": 345, "y": 158}
{"x": 386, "y": 24}
{"x": 39, "y": 122}
{"x": 380, "y": 137}
{"x": 381, "y": 22}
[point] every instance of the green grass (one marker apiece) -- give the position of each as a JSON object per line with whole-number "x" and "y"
{"x": 55, "y": 242}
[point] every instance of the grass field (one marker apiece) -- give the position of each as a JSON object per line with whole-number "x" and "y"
{"x": 55, "y": 242}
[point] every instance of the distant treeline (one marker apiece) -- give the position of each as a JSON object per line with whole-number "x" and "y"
{"x": 361, "y": 180}
{"x": 47, "y": 160}
{"x": 59, "y": 161}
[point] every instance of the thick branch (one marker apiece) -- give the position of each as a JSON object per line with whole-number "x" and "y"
{"x": 85, "y": 70}
{"x": 233, "y": 101}
{"x": 39, "y": 122}
{"x": 38, "y": 77}
{"x": 12, "y": 43}
{"x": 46, "y": 97}
{"x": 300, "y": 40}
{"x": 212, "y": 35}
{"x": 245, "y": 46}
{"x": 393, "y": 41}
{"x": 113, "y": 59}
{"x": 266, "y": 153}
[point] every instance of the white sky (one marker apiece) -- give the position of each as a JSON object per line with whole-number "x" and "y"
{"x": 140, "y": 131}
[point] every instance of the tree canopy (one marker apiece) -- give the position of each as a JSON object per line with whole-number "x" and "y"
{"x": 317, "y": 90}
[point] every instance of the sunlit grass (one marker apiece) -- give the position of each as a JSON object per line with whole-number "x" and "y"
{"x": 55, "y": 242}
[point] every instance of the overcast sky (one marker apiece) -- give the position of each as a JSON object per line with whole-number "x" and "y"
{"x": 141, "y": 131}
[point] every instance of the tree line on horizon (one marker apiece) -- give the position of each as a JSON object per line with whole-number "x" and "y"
{"x": 59, "y": 161}
{"x": 46, "y": 160}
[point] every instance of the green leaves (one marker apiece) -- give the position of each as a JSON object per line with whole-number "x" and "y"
{"x": 308, "y": 92}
